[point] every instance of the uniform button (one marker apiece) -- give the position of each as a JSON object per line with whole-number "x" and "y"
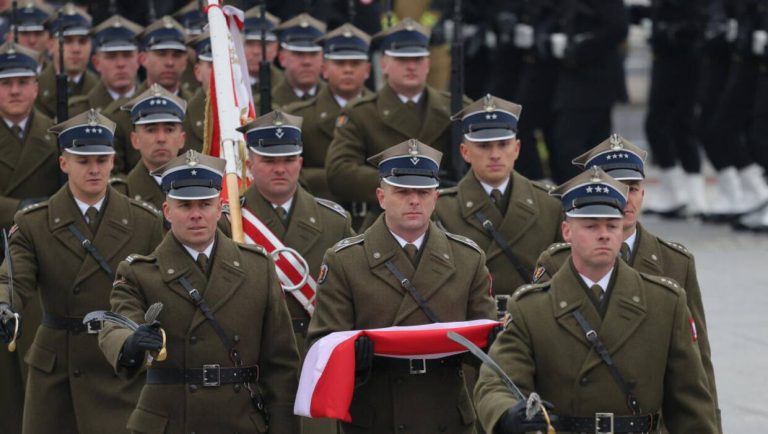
{"x": 193, "y": 388}
{"x": 237, "y": 388}
{"x": 584, "y": 381}
{"x": 76, "y": 290}
{"x": 401, "y": 427}
{"x": 193, "y": 339}
{"x": 236, "y": 338}
{"x": 76, "y": 373}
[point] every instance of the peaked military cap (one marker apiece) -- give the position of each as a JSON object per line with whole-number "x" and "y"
{"x": 592, "y": 194}
{"x": 410, "y": 164}
{"x": 191, "y": 18}
{"x": 31, "y": 16}
{"x": 275, "y": 134}
{"x": 202, "y": 46}
{"x": 164, "y": 34}
{"x": 17, "y": 61}
{"x": 254, "y": 23}
{"x": 89, "y": 133}
{"x": 300, "y": 33}
{"x": 192, "y": 176}
{"x": 116, "y": 34}
{"x": 70, "y": 20}
{"x": 489, "y": 118}
{"x": 346, "y": 42}
{"x": 406, "y": 39}
{"x": 619, "y": 157}
{"x": 156, "y": 105}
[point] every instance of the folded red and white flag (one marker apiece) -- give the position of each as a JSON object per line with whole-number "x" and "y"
{"x": 327, "y": 380}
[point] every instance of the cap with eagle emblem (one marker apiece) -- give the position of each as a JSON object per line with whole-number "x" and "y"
{"x": 192, "y": 176}
{"x": 275, "y": 134}
{"x": 410, "y": 164}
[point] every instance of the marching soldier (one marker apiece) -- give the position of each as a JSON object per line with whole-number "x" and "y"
{"x": 252, "y": 47}
{"x": 64, "y": 251}
{"x": 301, "y": 58}
{"x": 642, "y": 250}
{"x": 116, "y": 59}
{"x": 511, "y": 218}
{"x": 360, "y": 288}
{"x": 609, "y": 347}
{"x": 194, "y": 122}
{"x": 345, "y": 69}
{"x": 158, "y": 136}
{"x": 232, "y": 364}
{"x": 30, "y": 22}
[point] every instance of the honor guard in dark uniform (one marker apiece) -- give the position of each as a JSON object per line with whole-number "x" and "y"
{"x": 345, "y": 69}
{"x": 232, "y": 363}
{"x": 64, "y": 253}
{"x": 252, "y": 47}
{"x": 116, "y": 59}
{"x": 194, "y": 21}
{"x": 194, "y": 121}
{"x": 404, "y": 108}
{"x": 301, "y": 58}
{"x": 158, "y": 136}
{"x": 29, "y": 173}
{"x": 641, "y": 249}
{"x": 75, "y": 27}
{"x": 362, "y": 288}
{"x": 608, "y": 347}
{"x": 30, "y": 22}
{"x": 510, "y": 217}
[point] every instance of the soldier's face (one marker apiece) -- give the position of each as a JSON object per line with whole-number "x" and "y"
{"x": 193, "y": 222}
{"x": 406, "y": 75}
{"x": 157, "y": 143}
{"x": 76, "y": 52}
{"x": 634, "y": 205}
{"x": 17, "y": 94}
{"x": 118, "y": 69}
{"x": 252, "y": 51}
{"x": 595, "y": 242}
{"x": 492, "y": 162}
{"x": 88, "y": 174}
{"x": 37, "y": 41}
{"x": 407, "y": 210}
{"x": 346, "y": 77}
{"x": 164, "y": 67}
{"x": 276, "y": 178}
{"x": 302, "y": 69}
{"x": 203, "y": 72}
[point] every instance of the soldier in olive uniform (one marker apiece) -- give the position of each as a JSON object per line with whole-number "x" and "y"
{"x": 345, "y": 68}
{"x": 75, "y": 27}
{"x": 360, "y": 288}
{"x": 404, "y": 108}
{"x": 194, "y": 121}
{"x": 232, "y": 363}
{"x": 64, "y": 252}
{"x": 194, "y": 21}
{"x": 511, "y": 218}
{"x": 30, "y": 23}
{"x": 302, "y": 59}
{"x": 157, "y": 135}
{"x": 609, "y": 347}
{"x": 29, "y": 173}
{"x": 642, "y": 250}
{"x": 252, "y": 32}
{"x": 116, "y": 59}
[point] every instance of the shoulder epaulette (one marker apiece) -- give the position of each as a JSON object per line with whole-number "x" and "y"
{"x": 333, "y": 206}
{"x": 346, "y": 242}
{"x": 35, "y": 206}
{"x": 362, "y": 100}
{"x": 558, "y": 247}
{"x": 529, "y": 289}
{"x": 253, "y": 248}
{"x": 666, "y": 282}
{"x": 464, "y": 240}
{"x": 140, "y": 258}
{"x": 448, "y": 191}
{"x": 544, "y": 186}
{"x": 676, "y": 246}
{"x": 117, "y": 180}
{"x": 144, "y": 205}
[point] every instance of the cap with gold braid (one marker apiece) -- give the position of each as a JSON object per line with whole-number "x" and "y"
{"x": 406, "y": 39}
{"x": 346, "y": 42}
{"x": 164, "y": 34}
{"x": 254, "y": 23}
{"x": 619, "y": 157}
{"x": 489, "y": 118}
{"x": 192, "y": 176}
{"x": 300, "y": 33}
{"x": 116, "y": 34}
{"x": 156, "y": 105}
{"x": 410, "y": 164}
{"x": 592, "y": 194}
{"x": 89, "y": 133}
{"x": 275, "y": 134}
{"x": 17, "y": 61}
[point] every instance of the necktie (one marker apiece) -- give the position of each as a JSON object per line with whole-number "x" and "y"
{"x": 624, "y": 252}
{"x": 202, "y": 262}
{"x": 598, "y": 292}
{"x": 411, "y": 251}
{"x": 282, "y": 213}
{"x": 92, "y": 218}
{"x": 18, "y": 132}
{"x": 496, "y": 198}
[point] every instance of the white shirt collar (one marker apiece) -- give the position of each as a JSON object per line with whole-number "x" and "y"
{"x": 158, "y": 179}
{"x": 418, "y": 242}
{"x": 254, "y": 80}
{"x": 76, "y": 79}
{"x": 343, "y": 102}
{"x": 22, "y": 124}
{"x": 631, "y": 240}
{"x": 286, "y": 206}
{"x": 488, "y": 189}
{"x": 404, "y": 99}
{"x": 116, "y": 95}
{"x": 300, "y": 93}
{"x": 84, "y": 206}
{"x": 192, "y": 252}
{"x": 602, "y": 282}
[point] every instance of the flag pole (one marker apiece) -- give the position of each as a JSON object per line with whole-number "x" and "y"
{"x": 228, "y": 114}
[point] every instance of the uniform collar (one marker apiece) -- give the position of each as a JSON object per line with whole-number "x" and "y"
{"x": 488, "y": 188}
{"x": 418, "y": 242}
{"x": 604, "y": 282}
{"x": 286, "y": 206}
{"x": 194, "y": 253}
{"x": 631, "y": 241}
{"x": 116, "y": 95}
{"x": 416, "y": 99}
{"x": 84, "y": 206}
{"x": 300, "y": 93}
{"x": 22, "y": 124}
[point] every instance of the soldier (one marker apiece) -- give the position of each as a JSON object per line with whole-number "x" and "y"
{"x": 30, "y": 22}
{"x": 194, "y": 21}
{"x": 511, "y": 218}
{"x": 75, "y": 27}
{"x": 64, "y": 251}
{"x": 253, "y": 26}
{"x": 194, "y": 121}
{"x": 301, "y": 57}
{"x": 608, "y": 346}
{"x": 345, "y": 68}
{"x": 360, "y": 288}
{"x": 404, "y": 108}
{"x": 232, "y": 364}
{"x": 116, "y": 59}
{"x": 158, "y": 136}
{"x": 642, "y": 250}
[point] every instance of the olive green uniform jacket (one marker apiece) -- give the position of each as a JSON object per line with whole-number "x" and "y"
{"x": 529, "y": 225}
{"x": 283, "y": 94}
{"x": 646, "y": 330}
{"x": 70, "y": 386}
{"x": 317, "y": 132}
{"x": 141, "y": 186}
{"x": 359, "y": 292}
{"x": 46, "y": 98}
{"x": 194, "y": 122}
{"x": 658, "y": 257}
{"x": 244, "y": 294}
{"x": 98, "y": 98}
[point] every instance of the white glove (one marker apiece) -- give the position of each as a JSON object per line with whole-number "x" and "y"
{"x": 759, "y": 42}
{"x": 559, "y": 42}
{"x": 523, "y": 36}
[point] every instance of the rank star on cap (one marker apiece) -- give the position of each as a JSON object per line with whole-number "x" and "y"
{"x": 491, "y": 116}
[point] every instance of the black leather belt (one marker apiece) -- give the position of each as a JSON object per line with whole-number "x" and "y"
{"x": 207, "y": 376}
{"x": 74, "y": 325}
{"x": 607, "y": 423}
{"x": 416, "y": 366}
{"x": 300, "y": 325}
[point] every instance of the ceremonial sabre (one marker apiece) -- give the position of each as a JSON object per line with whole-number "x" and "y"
{"x": 7, "y": 316}
{"x": 149, "y": 317}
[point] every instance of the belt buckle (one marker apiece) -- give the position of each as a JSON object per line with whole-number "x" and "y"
{"x": 601, "y": 416}
{"x": 420, "y": 367}
{"x": 216, "y": 371}
{"x": 94, "y": 327}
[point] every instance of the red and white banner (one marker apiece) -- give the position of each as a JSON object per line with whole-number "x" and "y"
{"x": 327, "y": 380}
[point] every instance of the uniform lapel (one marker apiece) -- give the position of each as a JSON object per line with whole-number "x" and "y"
{"x": 647, "y": 253}
{"x": 10, "y": 151}
{"x": 62, "y": 211}
{"x": 568, "y": 296}
{"x": 262, "y": 209}
{"x": 520, "y": 215}
{"x": 173, "y": 262}
{"x": 392, "y": 112}
{"x": 381, "y": 247}
{"x": 472, "y": 198}
{"x": 143, "y": 186}
{"x": 34, "y": 153}
{"x": 304, "y": 228}
{"x": 99, "y": 97}
{"x": 437, "y": 118}
{"x": 327, "y": 112}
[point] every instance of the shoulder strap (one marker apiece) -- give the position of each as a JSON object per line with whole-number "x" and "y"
{"x": 499, "y": 239}
{"x": 412, "y": 290}
{"x": 88, "y": 246}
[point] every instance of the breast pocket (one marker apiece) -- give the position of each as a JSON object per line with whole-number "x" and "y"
{"x": 145, "y": 422}
{"x": 41, "y": 358}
